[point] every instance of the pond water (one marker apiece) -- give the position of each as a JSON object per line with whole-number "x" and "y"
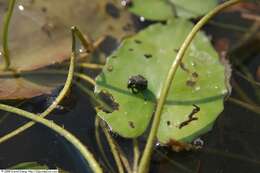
{"x": 231, "y": 146}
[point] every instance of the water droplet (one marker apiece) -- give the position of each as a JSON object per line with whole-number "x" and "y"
{"x": 216, "y": 87}
{"x": 125, "y": 113}
{"x": 145, "y": 103}
{"x": 193, "y": 64}
{"x": 81, "y": 50}
{"x": 158, "y": 144}
{"x": 142, "y": 19}
{"x": 126, "y": 3}
{"x": 197, "y": 88}
{"x": 198, "y": 143}
{"x": 21, "y": 7}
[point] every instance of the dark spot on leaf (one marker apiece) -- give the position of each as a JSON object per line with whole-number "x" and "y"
{"x": 195, "y": 110}
{"x": 184, "y": 68}
{"x": 114, "y": 56}
{"x": 109, "y": 44}
{"x": 138, "y": 42}
{"x": 195, "y": 75}
{"x": 176, "y": 50}
{"x": 131, "y": 124}
{"x": 168, "y": 123}
{"x": 44, "y": 9}
{"x": 109, "y": 68}
{"x": 109, "y": 100}
{"x": 131, "y": 49}
{"x": 148, "y": 56}
{"x": 164, "y": 22}
{"x": 112, "y": 10}
{"x": 190, "y": 83}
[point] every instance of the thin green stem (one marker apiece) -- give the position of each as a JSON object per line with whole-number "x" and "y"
{"x": 240, "y": 92}
{"x": 100, "y": 146}
{"x": 228, "y": 26}
{"x": 253, "y": 108}
{"x": 229, "y": 155}
{"x": 114, "y": 150}
{"x": 7, "y": 19}
{"x": 174, "y": 163}
{"x": 136, "y": 155}
{"x": 98, "y": 102}
{"x": 54, "y": 104}
{"x": 123, "y": 158}
{"x": 145, "y": 160}
{"x": 250, "y": 80}
{"x": 90, "y": 65}
{"x": 57, "y": 100}
{"x": 86, "y": 41}
{"x": 94, "y": 165}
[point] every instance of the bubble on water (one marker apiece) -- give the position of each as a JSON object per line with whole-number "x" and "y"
{"x": 142, "y": 19}
{"x": 198, "y": 143}
{"x": 21, "y": 7}
{"x": 193, "y": 64}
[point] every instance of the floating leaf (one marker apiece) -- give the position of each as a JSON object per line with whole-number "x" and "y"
{"x": 163, "y": 9}
{"x": 153, "y": 9}
{"x": 44, "y": 35}
{"x": 28, "y": 85}
{"x": 197, "y": 91}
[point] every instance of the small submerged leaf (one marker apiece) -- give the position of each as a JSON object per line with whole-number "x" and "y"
{"x": 29, "y": 165}
{"x": 165, "y": 9}
{"x": 195, "y": 98}
{"x": 34, "y": 166}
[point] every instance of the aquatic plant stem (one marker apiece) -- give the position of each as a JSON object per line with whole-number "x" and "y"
{"x": 249, "y": 106}
{"x": 91, "y": 66}
{"x": 114, "y": 150}
{"x": 61, "y": 131}
{"x": 54, "y": 104}
{"x": 86, "y": 41}
{"x": 136, "y": 155}
{"x": 100, "y": 146}
{"x": 145, "y": 160}
{"x": 58, "y": 99}
{"x": 7, "y": 19}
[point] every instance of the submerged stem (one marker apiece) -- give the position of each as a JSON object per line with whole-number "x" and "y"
{"x": 249, "y": 106}
{"x": 145, "y": 160}
{"x": 61, "y": 131}
{"x": 114, "y": 150}
{"x": 7, "y": 19}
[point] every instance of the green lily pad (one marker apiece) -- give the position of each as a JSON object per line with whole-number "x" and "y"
{"x": 165, "y": 9}
{"x": 200, "y": 82}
